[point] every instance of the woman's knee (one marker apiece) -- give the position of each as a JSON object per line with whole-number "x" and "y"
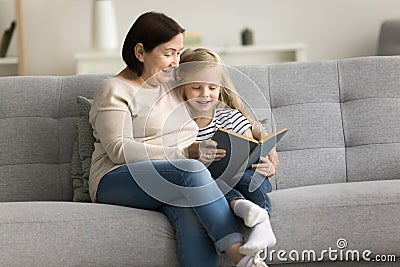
{"x": 190, "y": 165}
{"x": 194, "y": 172}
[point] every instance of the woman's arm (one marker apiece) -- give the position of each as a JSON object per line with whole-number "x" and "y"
{"x": 114, "y": 130}
{"x": 206, "y": 151}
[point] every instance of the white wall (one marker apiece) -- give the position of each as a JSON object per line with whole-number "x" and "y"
{"x": 57, "y": 29}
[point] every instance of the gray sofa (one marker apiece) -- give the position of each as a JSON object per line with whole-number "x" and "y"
{"x": 337, "y": 188}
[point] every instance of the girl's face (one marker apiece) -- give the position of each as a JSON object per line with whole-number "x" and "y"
{"x": 163, "y": 58}
{"x": 202, "y": 97}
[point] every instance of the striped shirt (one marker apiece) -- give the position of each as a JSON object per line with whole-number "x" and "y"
{"x": 229, "y": 119}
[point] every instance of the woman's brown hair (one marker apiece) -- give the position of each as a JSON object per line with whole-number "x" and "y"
{"x": 150, "y": 29}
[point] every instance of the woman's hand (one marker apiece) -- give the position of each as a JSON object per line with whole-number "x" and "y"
{"x": 267, "y": 165}
{"x": 206, "y": 151}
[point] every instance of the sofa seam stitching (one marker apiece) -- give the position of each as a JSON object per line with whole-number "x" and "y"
{"x": 272, "y": 114}
{"x": 337, "y": 147}
{"x": 341, "y": 118}
{"x": 34, "y": 163}
{"x": 371, "y": 97}
{"x": 44, "y": 117}
{"x": 346, "y": 206}
{"x": 58, "y": 139}
{"x": 64, "y": 221}
{"x": 333, "y": 102}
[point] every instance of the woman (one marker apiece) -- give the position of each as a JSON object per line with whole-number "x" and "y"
{"x": 142, "y": 143}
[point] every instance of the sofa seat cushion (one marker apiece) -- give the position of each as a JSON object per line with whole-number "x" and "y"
{"x": 365, "y": 214}
{"x": 84, "y": 234}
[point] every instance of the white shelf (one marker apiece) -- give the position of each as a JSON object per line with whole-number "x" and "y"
{"x": 98, "y": 62}
{"x": 111, "y": 62}
{"x": 8, "y": 66}
{"x": 262, "y": 54}
{"x": 8, "y": 60}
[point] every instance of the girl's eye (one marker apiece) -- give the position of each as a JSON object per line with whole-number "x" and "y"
{"x": 196, "y": 87}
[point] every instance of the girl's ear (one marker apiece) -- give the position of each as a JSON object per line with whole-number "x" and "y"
{"x": 139, "y": 52}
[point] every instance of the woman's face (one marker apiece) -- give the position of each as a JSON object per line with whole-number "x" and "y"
{"x": 163, "y": 58}
{"x": 202, "y": 97}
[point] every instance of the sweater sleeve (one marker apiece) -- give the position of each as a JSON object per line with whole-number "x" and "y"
{"x": 112, "y": 124}
{"x": 120, "y": 145}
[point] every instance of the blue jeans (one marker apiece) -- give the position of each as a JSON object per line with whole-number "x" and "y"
{"x": 258, "y": 196}
{"x": 202, "y": 231}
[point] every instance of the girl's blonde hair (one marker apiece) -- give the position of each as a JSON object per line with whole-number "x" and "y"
{"x": 228, "y": 95}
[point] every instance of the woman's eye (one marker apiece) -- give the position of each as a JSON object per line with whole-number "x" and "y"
{"x": 196, "y": 87}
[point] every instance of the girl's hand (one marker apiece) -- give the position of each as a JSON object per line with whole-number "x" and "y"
{"x": 206, "y": 151}
{"x": 267, "y": 165}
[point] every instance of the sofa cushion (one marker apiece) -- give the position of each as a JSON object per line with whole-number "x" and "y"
{"x": 306, "y": 102}
{"x": 365, "y": 214}
{"x": 29, "y": 143}
{"x": 370, "y": 97}
{"x": 82, "y": 151}
{"x": 84, "y": 234}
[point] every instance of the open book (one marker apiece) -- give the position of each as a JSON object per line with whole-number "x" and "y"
{"x": 241, "y": 151}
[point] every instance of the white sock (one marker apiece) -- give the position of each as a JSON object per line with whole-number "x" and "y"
{"x": 250, "y": 212}
{"x": 261, "y": 236}
{"x": 246, "y": 261}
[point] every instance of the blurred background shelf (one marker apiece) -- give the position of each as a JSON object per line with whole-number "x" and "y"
{"x": 262, "y": 54}
{"x": 8, "y": 66}
{"x": 111, "y": 62}
{"x": 98, "y": 62}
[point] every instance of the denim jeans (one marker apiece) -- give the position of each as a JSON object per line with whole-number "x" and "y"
{"x": 202, "y": 231}
{"x": 258, "y": 196}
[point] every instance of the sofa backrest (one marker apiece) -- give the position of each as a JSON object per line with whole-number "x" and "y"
{"x": 37, "y": 131}
{"x": 343, "y": 120}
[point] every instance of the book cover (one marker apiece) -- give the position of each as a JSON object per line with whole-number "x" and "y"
{"x": 241, "y": 152}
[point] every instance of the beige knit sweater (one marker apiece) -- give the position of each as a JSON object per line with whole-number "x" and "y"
{"x": 133, "y": 124}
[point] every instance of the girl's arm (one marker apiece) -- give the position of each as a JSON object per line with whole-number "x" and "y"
{"x": 269, "y": 163}
{"x": 248, "y": 133}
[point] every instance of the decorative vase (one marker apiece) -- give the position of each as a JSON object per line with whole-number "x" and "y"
{"x": 104, "y": 26}
{"x": 247, "y": 37}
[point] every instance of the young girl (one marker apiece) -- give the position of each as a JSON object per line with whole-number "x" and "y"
{"x": 206, "y": 90}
